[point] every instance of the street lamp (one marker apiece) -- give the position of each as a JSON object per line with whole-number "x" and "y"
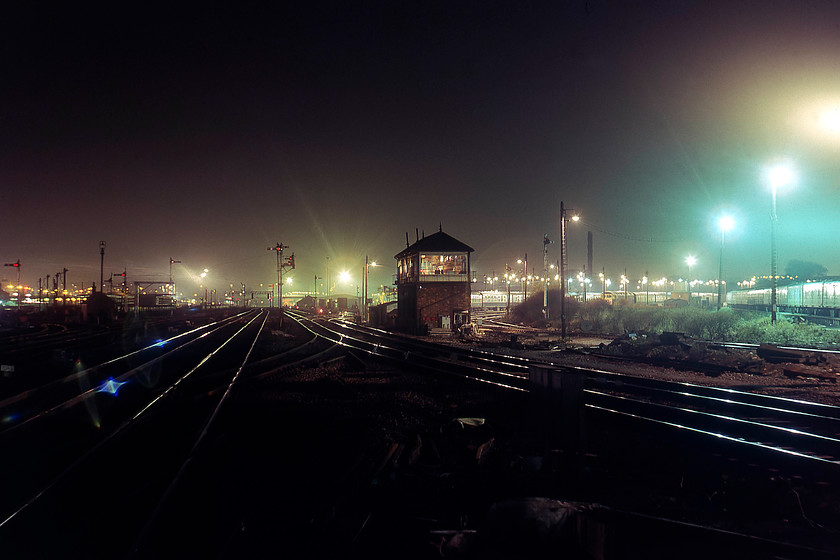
{"x": 690, "y": 261}
{"x": 624, "y": 282}
{"x": 171, "y": 284}
{"x": 546, "y": 243}
{"x": 101, "y": 265}
{"x": 779, "y": 175}
{"x": 524, "y": 278}
{"x": 508, "y": 279}
{"x": 204, "y": 275}
{"x": 368, "y": 264}
{"x": 563, "y": 220}
{"x": 725, "y": 223}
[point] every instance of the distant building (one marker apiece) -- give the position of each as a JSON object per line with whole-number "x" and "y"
{"x": 433, "y": 284}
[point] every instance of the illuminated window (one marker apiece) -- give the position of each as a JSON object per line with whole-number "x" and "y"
{"x": 445, "y": 265}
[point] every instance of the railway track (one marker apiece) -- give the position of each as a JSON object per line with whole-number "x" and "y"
{"x": 99, "y": 453}
{"x": 803, "y": 429}
{"x": 746, "y": 436}
{"x": 124, "y": 439}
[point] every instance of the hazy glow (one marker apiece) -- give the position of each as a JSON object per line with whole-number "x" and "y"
{"x": 780, "y": 175}
{"x": 726, "y": 223}
{"x": 690, "y": 260}
{"x": 830, "y": 120}
{"x": 344, "y": 277}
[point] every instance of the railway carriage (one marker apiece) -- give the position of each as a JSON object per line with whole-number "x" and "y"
{"x": 816, "y": 301}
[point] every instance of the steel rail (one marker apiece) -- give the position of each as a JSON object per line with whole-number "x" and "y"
{"x": 772, "y": 408}
{"x": 717, "y": 435}
{"x": 461, "y": 354}
{"x": 116, "y": 432}
{"x": 715, "y": 417}
{"x": 773, "y": 403}
{"x": 197, "y": 444}
{"x": 12, "y": 423}
{"x": 505, "y": 380}
{"x": 75, "y": 376}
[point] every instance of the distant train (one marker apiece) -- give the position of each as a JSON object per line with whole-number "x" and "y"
{"x": 817, "y": 301}
{"x": 640, "y": 298}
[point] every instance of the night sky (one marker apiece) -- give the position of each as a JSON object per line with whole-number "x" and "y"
{"x": 335, "y": 128}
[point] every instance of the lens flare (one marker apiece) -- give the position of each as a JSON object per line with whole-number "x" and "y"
{"x": 110, "y": 386}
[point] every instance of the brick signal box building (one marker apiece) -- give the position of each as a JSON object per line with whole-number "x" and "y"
{"x": 433, "y": 284}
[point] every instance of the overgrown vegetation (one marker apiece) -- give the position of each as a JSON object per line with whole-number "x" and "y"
{"x": 598, "y": 316}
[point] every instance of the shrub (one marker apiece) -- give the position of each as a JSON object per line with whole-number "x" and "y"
{"x": 724, "y": 324}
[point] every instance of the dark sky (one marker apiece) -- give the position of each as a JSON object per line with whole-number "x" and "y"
{"x": 335, "y": 128}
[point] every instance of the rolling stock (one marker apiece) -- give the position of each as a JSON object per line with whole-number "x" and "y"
{"x": 817, "y": 301}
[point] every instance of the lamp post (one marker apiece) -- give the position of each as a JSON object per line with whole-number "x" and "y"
{"x": 779, "y": 175}
{"x": 508, "y": 280}
{"x": 624, "y": 281}
{"x": 603, "y": 276}
{"x": 171, "y": 285}
{"x": 546, "y": 243}
{"x": 203, "y": 275}
{"x": 329, "y": 288}
{"x": 368, "y": 264}
{"x": 524, "y": 278}
{"x": 690, "y": 261}
{"x": 563, "y": 220}
{"x": 725, "y": 223}
{"x": 101, "y": 264}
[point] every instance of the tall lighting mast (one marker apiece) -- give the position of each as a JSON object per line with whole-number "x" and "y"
{"x": 563, "y": 220}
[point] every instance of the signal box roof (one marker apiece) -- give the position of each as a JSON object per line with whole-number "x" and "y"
{"x": 436, "y": 243}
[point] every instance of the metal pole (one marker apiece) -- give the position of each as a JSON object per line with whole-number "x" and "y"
{"x": 773, "y": 260}
{"x": 280, "y": 284}
{"x": 280, "y": 248}
{"x": 562, "y": 271}
{"x": 546, "y": 242}
{"x": 101, "y": 264}
{"x": 720, "y": 268}
{"x": 507, "y": 279}
{"x": 525, "y": 278}
{"x": 603, "y": 283}
{"x": 364, "y": 282}
{"x": 688, "y": 282}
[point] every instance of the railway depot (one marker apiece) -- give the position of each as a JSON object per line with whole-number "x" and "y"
{"x": 385, "y": 446}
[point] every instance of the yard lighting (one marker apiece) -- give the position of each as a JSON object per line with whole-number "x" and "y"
{"x": 779, "y": 175}
{"x": 690, "y": 261}
{"x": 725, "y": 223}
{"x": 563, "y": 220}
